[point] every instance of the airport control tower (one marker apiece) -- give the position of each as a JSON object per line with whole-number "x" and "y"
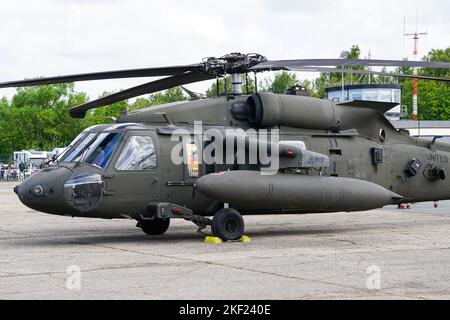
{"x": 370, "y": 92}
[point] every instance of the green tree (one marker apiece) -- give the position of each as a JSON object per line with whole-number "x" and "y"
{"x": 433, "y": 97}
{"x": 37, "y": 118}
{"x": 283, "y": 80}
{"x": 104, "y": 115}
{"x": 442, "y": 55}
{"x": 167, "y": 96}
{"x": 332, "y": 79}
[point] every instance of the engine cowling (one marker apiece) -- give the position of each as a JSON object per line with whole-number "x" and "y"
{"x": 268, "y": 110}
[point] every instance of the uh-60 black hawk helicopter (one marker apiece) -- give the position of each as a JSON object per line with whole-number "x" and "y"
{"x": 331, "y": 156}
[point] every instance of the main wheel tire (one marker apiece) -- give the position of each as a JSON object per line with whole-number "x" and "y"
{"x": 228, "y": 225}
{"x": 155, "y": 227}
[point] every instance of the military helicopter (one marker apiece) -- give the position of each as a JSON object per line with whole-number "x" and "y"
{"x": 331, "y": 156}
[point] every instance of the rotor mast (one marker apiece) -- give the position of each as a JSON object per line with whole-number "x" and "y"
{"x": 235, "y": 65}
{"x": 236, "y": 84}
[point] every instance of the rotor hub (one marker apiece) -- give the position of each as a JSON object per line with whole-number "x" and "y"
{"x": 232, "y": 63}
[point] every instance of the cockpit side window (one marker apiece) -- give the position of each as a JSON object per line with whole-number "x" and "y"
{"x": 138, "y": 154}
{"x": 101, "y": 150}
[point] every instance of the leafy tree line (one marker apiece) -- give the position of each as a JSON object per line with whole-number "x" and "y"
{"x": 433, "y": 96}
{"x": 37, "y": 117}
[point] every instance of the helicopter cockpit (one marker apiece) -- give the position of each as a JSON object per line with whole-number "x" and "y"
{"x": 95, "y": 149}
{"x": 95, "y": 145}
{"x": 78, "y": 176}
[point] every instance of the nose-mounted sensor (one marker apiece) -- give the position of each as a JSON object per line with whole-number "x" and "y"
{"x": 38, "y": 190}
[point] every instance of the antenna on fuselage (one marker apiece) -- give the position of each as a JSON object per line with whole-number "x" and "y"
{"x": 166, "y": 117}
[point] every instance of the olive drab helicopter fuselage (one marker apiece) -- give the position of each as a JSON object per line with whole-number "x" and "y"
{"x": 333, "y": 157}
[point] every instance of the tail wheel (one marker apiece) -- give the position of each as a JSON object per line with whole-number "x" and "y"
{"x": 228, "y": 225}
{"x": 155, "y": 227}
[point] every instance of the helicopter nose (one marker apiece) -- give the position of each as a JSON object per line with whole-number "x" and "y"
{"x": 43, "y": 190}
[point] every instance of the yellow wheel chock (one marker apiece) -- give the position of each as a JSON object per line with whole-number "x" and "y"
{"x": 217, "y": 240}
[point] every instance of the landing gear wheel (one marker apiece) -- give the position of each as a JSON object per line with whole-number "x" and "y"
{"x": 228, "y": 225}
{"x": 155, "y": 227}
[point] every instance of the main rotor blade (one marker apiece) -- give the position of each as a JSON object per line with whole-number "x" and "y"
{"x": 130, "y": 73}
{"x": 151, "y": 87}
{"x": 280, "y": 64}
{"x": 352, "y": 71}
{"x": 190, "y": 93}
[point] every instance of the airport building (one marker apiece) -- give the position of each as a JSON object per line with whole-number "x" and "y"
{"x": 425, "y": 129}
{"x": 370, "y": 92}
{"x": 391, "y": 93}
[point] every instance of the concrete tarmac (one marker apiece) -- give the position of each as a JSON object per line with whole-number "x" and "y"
{"x": 381, "y": 254}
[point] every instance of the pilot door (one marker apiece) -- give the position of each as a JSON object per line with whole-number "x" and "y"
{"x": 182, "y": 167}
{"x": 133, "y": 177}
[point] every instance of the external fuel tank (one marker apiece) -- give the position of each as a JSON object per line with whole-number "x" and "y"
{"x": 252, "y": 189}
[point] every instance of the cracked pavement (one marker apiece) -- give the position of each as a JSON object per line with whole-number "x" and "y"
{"x": 322, "y": 256}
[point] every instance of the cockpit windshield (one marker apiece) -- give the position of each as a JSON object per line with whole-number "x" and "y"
{"x": 101, "y": 149}
{"x": 75, "y": 152}
{"x": 74, "y": 142}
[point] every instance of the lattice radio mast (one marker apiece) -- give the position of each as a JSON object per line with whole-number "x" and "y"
{"x": 415, "y": 37}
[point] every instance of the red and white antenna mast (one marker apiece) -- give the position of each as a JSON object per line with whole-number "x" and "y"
{"x": 415, "y": 36}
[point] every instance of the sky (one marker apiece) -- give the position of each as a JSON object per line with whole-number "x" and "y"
{"x": 57, "y": 37}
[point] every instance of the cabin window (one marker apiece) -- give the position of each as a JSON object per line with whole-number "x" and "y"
{"x": 192, "y": 163}
{"x": 101, "y": 150}
{"x": 138, "y": 154}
